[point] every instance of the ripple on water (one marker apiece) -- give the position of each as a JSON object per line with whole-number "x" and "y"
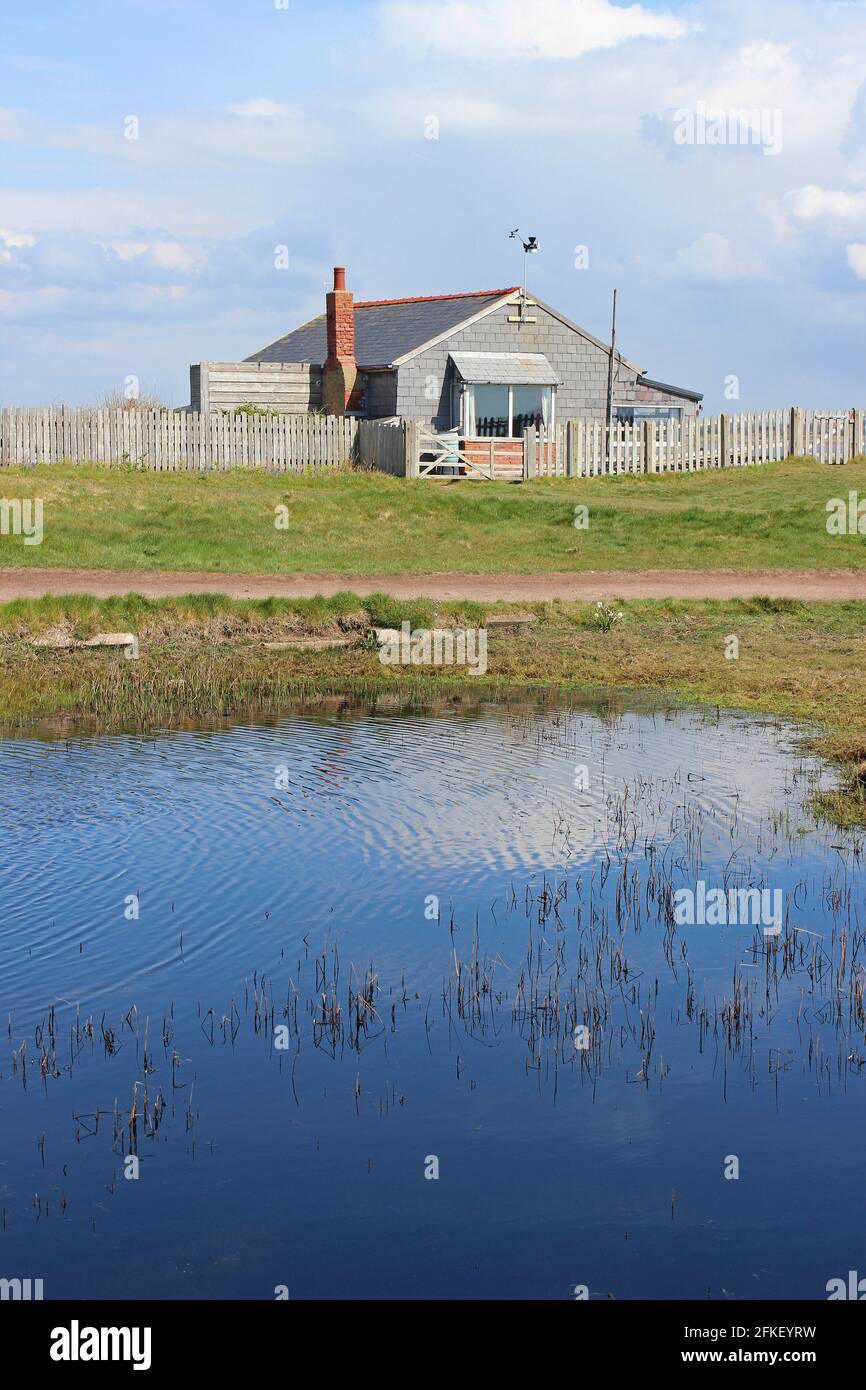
{"x": 240, "y": 842}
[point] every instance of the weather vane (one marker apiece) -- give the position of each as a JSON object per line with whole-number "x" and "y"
{"x": 529, "y": 246}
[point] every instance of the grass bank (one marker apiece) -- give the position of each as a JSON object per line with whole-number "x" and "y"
{"x": 368, "y": 523}
{"x": 205, "y": 656}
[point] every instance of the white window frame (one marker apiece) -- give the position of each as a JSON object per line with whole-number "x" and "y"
{"x": 467, "y": 406}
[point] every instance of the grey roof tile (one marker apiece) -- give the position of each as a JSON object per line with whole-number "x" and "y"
{"x": 384, "y": 330}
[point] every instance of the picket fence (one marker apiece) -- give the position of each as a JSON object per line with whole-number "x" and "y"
{"x": 167, "y": 441}
{"x": 578, "y": 448}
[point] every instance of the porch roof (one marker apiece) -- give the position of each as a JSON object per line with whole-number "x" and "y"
{"x": 504, "y": 368}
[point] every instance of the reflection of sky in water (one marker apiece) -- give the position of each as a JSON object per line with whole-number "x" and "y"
{"x": 194, "y": 824}
{"x": 236, "y": 875}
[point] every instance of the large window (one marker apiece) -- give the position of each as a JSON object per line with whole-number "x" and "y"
{"x": 504, "y": 412}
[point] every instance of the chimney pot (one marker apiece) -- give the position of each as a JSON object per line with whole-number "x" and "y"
{"x": 339, "y": 277}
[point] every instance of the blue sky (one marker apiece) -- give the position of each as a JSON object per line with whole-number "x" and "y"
{"x": 310, "y": 127}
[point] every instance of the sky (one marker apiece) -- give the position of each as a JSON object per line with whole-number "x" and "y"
{"x": 179, "y": 177}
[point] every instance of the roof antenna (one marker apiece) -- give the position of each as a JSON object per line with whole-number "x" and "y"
{"x": 529, "y": 246}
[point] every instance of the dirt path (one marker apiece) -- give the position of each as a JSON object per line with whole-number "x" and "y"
{"x": 721, "y": 584}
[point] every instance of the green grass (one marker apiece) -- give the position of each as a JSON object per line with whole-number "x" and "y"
{"x": 204, "y": 657}
{"x": 369, "y": 524}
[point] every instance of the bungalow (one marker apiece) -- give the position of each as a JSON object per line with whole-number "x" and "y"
{"x": 488, "y": 362}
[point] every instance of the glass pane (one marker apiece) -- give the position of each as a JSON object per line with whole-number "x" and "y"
{"x": 530, "y": 408}
{"x": 491, "y": 411}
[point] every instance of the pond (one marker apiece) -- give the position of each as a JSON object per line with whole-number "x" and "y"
{"x": 366, "y": 1004}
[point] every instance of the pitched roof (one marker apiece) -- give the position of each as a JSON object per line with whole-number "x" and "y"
{"x": 385, "y": 329}
{"x": 390, "y": 331}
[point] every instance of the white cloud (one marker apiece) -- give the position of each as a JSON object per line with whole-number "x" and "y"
{"x": 477, "y": 31}
{"x": 568, "y": 117}
{"x": 190, "y": 140}
{"x": 258, "y": 108}
{"x": 828, "y": 209}
{"x": 41, "y": 303}
{"x": 107, "y": 214}
{"x": 713, "y": 256}
{"x": 765, "y": 57}
{"x": 856, "y": 255}
{"x": 14, "y": 240}
{"x": 164, "y": 255}
{"x": 405, "y": 114}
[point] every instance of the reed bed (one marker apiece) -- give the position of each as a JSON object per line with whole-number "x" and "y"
{"x": 575, "y": 973}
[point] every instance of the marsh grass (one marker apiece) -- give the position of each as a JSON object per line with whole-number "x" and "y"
{"x": 203, "y": 657}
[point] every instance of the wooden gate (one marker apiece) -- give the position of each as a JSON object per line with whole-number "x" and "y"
{"x": 449, "y": 451}
{"x": 830, "y": 436}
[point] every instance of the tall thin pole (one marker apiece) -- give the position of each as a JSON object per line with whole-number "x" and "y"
{"x": 610, "y": 384}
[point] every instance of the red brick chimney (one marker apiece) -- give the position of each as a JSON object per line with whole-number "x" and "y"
{"x": 340, "y": 375}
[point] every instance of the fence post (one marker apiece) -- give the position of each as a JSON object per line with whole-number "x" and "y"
{"x": 410, "y": 449}
{"x": 570, "y": 428}
{"x": 529, "y": 452}
{"x": 797, "y": 443}
{"x": 856, "y": 433}
{"x": 724, "y": 441}
{"x": 649, "y": 452}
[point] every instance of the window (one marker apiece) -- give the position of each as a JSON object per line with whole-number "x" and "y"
{"x": 504, "y": 412}
{"x": 530, "y": 407}
{"x": 628, "y": 414}
{"x": 491, "y": 411}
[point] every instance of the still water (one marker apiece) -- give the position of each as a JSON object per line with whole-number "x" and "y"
{"x": 293, "y": 970}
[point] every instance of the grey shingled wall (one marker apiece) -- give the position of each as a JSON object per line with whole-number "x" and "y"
{"x": 423, "y": 387}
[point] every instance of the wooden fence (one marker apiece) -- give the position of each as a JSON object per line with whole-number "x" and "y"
{"x": 289, "y": 388}
{"x": 383, "y": 446}
{"x": 167, "y": 441}
{"x": 579, "y": 448}
{"x": 173, "y": 440}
